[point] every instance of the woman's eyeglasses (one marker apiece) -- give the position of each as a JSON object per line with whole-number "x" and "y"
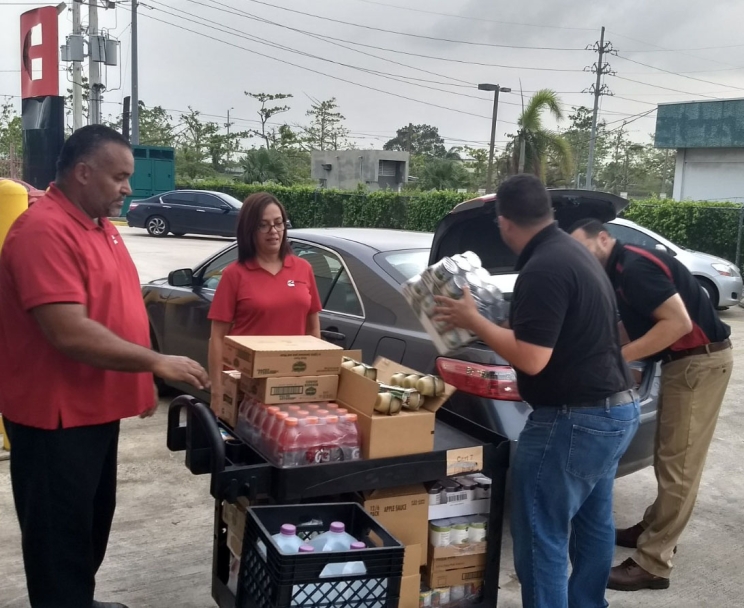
{"x": 265, "y": 228}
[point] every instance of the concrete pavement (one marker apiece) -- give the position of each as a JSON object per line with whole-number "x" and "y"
{"x": 160, "y": 550}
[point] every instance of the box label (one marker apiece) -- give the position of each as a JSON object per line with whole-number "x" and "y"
{"x": 464, "y": 460}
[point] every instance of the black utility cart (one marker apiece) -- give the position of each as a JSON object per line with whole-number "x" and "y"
{"x": 237, "y": 470}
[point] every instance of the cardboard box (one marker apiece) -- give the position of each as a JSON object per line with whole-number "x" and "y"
{"x": 410, "y": 587}
{"x": 474, "y": 507}
{"x": 383, "y": 436}
{"x": 228, "y": 407}
{"x": 234, "y": 543}
{"x": 234, "y": 516}
{"x": 304, "y": 389}
{"x": 276, "y": 356}
{"x": 404, "y": 513}
{"x": 451, "y": 566}
{"x": 412, "y": 559}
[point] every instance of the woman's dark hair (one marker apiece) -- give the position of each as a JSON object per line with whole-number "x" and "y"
{"x": 249, "y": 220}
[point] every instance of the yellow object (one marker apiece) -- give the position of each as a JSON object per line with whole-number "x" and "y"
{"x": 13, "y": 202}
{"x": 6, "y": 441}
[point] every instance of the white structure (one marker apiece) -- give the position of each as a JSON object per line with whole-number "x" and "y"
{"x": 709, "y": 139}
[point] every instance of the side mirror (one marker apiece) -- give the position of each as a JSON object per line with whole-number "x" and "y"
{"x": 660, "y": 247}
{"x": 181, "y": 278}
{"x": 226, "y": 207}
{"x": 289, "y": 225}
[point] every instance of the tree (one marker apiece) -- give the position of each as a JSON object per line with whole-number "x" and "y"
{"x": 265, "y": 113}
{"x": 478, "y": 166}
{"x": 11, "y": 132}
{"x": 442, "y": 174}
{"x": 202, "y": 149}
{"x": 579, "y": 135}
{"x": 326, "y": 130}
{"x": 418, "y": 139}
{"x": 537, "y": 141}
{"x": 261, "y": 165}
{"x": 156, "y": 126}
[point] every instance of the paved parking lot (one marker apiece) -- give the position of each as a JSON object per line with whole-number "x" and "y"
{"x": 160, "y": 550}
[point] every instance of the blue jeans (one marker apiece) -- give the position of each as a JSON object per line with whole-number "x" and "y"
{"x": 562, "y": 478}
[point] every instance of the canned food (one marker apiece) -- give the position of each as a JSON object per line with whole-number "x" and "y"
{"x": 435, "y": 494}
{"x": 462, "y": 263}
{"x": 435, "y": 599}
{"x": 452, "y": 339}
{"x": 425, "y": 599}
{"x": 417, "y": 287}
{"x": 443, "y": 270}
{"x": 440, "y": 533}
{"x": 482, "y": 273}
{"x": 453, "y": 287}
{"x": 477, "y": 531}
{"x": 473, "y": 258}
{"x": 428, "y": 304}
{"x": 459, "y": 534}
{"x": 474, "y": 281}
{"x": 457, "y": 593}
{"x": 444, "y": 596}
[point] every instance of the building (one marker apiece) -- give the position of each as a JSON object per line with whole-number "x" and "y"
{"x": 709, "y": 139}
{"x": 346, "y": 169}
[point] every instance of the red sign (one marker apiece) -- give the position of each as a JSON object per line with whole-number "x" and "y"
{"x": 39, "y": 53}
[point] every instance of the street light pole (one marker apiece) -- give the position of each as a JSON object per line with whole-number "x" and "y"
{"x": 496, "y": 90}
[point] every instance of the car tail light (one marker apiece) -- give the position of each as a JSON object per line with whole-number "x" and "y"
{"x": 491, "y": 381}
{"x": 133, "y": 206}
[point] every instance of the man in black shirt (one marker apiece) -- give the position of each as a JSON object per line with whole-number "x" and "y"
{"x": 564, "y": 345}
{"x": 668, "y": 317}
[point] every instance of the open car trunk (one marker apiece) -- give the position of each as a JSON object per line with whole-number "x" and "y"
{"x": 473, "y": 226}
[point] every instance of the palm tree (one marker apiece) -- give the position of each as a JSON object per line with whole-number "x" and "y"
{"x": 261, "y": 165}
{"x": 538, "y": 141}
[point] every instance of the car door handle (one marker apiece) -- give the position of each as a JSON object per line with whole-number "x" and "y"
{"x": 166, "y": 206}
{"x": 202, "y": 210}
{"x": 332, "y": 336}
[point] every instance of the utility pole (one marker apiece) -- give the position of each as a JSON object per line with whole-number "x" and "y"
{"x": 94, "y": 110}
{"x": 496, "y": 88}
{"x": 410, "y": 137}
{"x": 77, "y": 73}
{"x": 135, "y": 78}
{"x": 601, "y": 68}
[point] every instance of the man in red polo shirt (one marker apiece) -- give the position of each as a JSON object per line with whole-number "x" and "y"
{"x": 76, "y": 359}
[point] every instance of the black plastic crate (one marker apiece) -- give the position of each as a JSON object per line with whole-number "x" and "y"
{"x": 278, "y": 580}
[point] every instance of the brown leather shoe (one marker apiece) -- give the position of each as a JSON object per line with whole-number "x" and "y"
{"x": 629, "y": 576}
{"x": 628, "y": 537}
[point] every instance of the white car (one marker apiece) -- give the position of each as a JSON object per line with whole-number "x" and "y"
{"x": 720, "y": 279}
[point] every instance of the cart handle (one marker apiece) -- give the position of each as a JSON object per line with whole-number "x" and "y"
{"x": 205, "y": 448}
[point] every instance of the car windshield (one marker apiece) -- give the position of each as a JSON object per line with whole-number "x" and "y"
{"x": 405, "y": 264}
{"x": 231, "y": 200}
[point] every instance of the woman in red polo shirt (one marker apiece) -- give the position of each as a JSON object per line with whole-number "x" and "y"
{"x": 268, "y": 291}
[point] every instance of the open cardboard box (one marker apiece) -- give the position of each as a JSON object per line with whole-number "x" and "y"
{"x": 383, "y": 436}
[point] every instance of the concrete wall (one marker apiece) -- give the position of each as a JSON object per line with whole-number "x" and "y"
{"x": 348, "y": 168}
{"x": 709, "y": 174}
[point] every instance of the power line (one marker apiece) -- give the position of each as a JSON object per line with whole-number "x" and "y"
{"x": 370, "y": 88}
{"x": 681, "y": 75}
{"x": 241, "y": 34}
{"x": 657, "y": 86}
{"x": 479, "y": 19}
{"x": 421, "y": 36}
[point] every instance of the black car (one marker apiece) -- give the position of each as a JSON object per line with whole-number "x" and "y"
{"x": 186, "y": 212}
{"x": 359, "y": 273}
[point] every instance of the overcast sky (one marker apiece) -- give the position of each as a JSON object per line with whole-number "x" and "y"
{"x": 180, "y": 68}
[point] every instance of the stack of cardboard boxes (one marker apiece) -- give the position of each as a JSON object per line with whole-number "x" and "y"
{"x": 277, "y": 370}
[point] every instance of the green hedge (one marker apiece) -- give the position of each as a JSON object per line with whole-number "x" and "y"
{"x": 308, "y": 207}
{"x": 703, "y": 226}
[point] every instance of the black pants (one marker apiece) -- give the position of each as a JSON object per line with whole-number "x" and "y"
{"x": 64, "y": 487}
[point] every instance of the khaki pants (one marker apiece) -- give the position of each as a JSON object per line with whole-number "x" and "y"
{"x": 692, "y": 391}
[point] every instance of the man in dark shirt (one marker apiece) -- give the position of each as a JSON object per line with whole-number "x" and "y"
{"x": 565, "y": 348}
{"x": 668, "y": 317}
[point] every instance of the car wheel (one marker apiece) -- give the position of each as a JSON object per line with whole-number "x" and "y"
{"x": 157, "y": 226}
{"x": 709, "y": 289}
